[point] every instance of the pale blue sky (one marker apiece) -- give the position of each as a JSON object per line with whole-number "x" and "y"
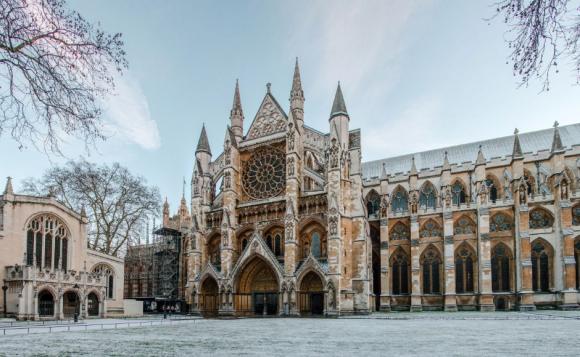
{"x": 433, "y": 68}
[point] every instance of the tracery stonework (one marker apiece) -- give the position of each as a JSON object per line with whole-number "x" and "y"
{"x": 450, "y": 228}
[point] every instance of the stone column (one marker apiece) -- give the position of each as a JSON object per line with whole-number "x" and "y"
{"x": 60, "y": 306}
{"x": 35, "y": 305}
{"x": 449, "y": 261}
{"x": 525, "y": 292}
{"x": 416, "y": 291}
{"x": 569, "y": 297}
{"x": 385, "y": 271}
{"x": 484, "y": 261}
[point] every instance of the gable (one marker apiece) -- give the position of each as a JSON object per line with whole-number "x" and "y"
{"x": 269, "y": 119}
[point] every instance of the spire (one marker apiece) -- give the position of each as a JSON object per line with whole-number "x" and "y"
{"x": 557, "y": 141}
{"x": 413, "y": 171}
{"x": 183, "y": 190}
{"x": 203, "y": 143}
{"x": 517, "y": 151}
{"x": 297, "y": 91}
{"x": 166, "y": 207}
{"x": 237, "y": 105}
{"x": 9, "y": 190}
{"x": 338, "y": 107}
{"x": 446, "y": 165}
{"x": 83, "y": 212}
{"x": 480, "y": 158}
{"x": 237, "y": 114}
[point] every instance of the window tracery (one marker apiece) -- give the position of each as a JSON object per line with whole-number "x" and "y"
{"x": 458, "y": 193}
{"x": 264, "y": 174}
{"x": 431, "y": 271}
{"x": 400, "y": 202}
{"x": 400, "y": 273}
{"x": 540, "y": 266}
{"x": 428, "y": 196}
{"x": 500, "y": 222}
{"x": 540, "y": 218}
{"x": 400, "y": 232}
{"x": 430, "y": 229}
{"x": 42, "y": 232}
{"x": 500, "y": 268}
{"x": 107, "y": 272}
{"x": 464, "y": 261}
{"x": 464, "y": 225}
{"x": 373, "y": 204}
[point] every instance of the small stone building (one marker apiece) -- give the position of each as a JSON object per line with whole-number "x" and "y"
{"x": 46, "y": 269}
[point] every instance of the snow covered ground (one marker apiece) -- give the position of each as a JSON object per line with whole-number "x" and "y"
{"x": 549, "y": 333}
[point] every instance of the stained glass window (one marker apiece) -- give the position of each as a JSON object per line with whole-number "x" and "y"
{"x": 264, "y": 174}
{"x": 400, "y": 201}
{"x": 400, "y": 273}
{"x": 464, "y": 259}
{"x": 400, "y": 232}
{"x": 576, "y": 215}
{"x": 540, "y": 267}
{"x": 500, "y": 222}
{"x": 500, "y": 268}
{"x": 373, "y": 204}
{"x": 430, "y": 229}
{"x": 431, "y": 273}
{"x": 464, "y": 225}
{"x": 540, "y": 218}
{"x": 43, "y": 230}
{"x": 428, "y": 196}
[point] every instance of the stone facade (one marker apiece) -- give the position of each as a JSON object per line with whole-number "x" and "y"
{"x": 45, "y": 265}
{"x": 287, "y": 220}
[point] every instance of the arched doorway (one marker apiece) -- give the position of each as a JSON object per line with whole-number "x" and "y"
{"x": 70, "y": 304}
{"x": 257, "y": 289}
{"x": 45, "y": 304}
{"x": 209, "y": 297}
{"x": 93, "y": 304}
{"x": 311, "y": 295}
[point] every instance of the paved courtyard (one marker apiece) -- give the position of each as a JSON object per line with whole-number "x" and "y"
{"x": 551, "y": 333}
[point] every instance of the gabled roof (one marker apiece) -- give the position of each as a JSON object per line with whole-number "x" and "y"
{"x": 269, "y": 119}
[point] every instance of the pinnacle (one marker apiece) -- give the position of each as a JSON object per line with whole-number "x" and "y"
{"x": 557, "y": 140}
{"x": 296, "y": 91}
{"x": 9, "y": 190}
{"x": 203, "y": 143}
{"x": 338, "y": 106}
{"x": 517, "y": 150}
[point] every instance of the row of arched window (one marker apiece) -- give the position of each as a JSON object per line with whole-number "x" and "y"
{"x": 502, "y": 269}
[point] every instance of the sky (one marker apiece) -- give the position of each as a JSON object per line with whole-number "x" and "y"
{"x": 416, "y": 75}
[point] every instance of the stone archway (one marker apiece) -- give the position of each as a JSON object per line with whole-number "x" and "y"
{"x": 45, "y": 304}
{"x": 311, "y": 295}
{"x": 70, "y": 304}
{"x": 209, "y": 297}
{"x": 257, "y": 289}
{"x": 93, "y": 304}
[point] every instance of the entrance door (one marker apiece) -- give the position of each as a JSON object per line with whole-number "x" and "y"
{"x": 317, "y": 303}
{"x": 71, "y": 304}
{"x": 265, "y": 302}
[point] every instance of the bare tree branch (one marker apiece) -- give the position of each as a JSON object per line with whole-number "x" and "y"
{"x": 54, "y": 69}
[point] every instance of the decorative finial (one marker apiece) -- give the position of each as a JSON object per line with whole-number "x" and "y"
{"x": 516, "y": 131}
{"x": 268, "y": 85}
{"x": 556, "y": 124}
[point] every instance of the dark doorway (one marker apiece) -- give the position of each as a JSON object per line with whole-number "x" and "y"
{"x": 209, "y": 298}
{"x": 317, "y": 303}
{"x": 71, "y": 304}
{"x": 265, "y": 303}
{"x": 45, "y": 304}
{"x": 93, "y": 304}
{"x": 376, "y": 263}
{"x": 500, "y": 304}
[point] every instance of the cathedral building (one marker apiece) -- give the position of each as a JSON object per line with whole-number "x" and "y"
{"x": 288, "y": 220}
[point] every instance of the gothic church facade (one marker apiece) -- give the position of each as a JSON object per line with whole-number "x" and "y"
{"x": 288, "y": 220}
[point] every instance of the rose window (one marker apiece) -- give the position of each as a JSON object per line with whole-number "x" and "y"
{"x": 263, "y": 176}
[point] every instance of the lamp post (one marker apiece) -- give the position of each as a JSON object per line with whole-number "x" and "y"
{"x": 77, "y": 305}
{"x": 4, "y": 289}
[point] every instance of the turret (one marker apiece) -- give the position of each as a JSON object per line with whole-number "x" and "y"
{"x": 165, "y": 213}
{"x": 237, "y": 115}
{"x": 9, "y": 190}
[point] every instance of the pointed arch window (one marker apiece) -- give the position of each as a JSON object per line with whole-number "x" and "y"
{"x": 464, "y": 225}
{"x": 315, "y": 245}
{"x": 540, "y": 267}
{"x": 576, "y": 215}
{"x": 431, "y": 271}
{"x": 400, "y": 232}
{"x": 277, "y": 245}
{"x": 492, "y": 189}
{"x": 458, "y": 193}
{"x": 400, "y": 202}
{"x": 47, "y": 242}
{"x": 400, "y": 273}
{"x": 107, "y": 273}
{"x": 431, "y": 229}
{"x": 540, "y": 218}
{"x": 464, "y": 275}
{"x": 500, "y": 222}
{"x": 500, "y": 268}
{"x": 428, "y": 196}
{"x": 373, "y": 204}
{"x": 269, "y": 242}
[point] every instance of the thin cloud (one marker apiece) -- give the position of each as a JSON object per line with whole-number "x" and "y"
{"x": 129, "y": 115}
